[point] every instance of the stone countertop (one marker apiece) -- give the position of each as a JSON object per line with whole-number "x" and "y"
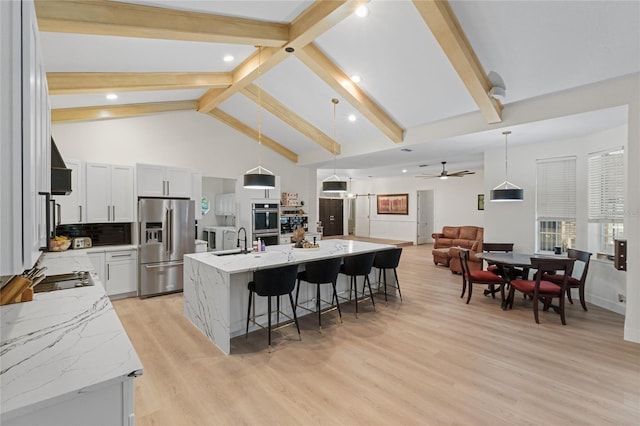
{"x": 285, "y": 254}
{"x": 61, "y": 343}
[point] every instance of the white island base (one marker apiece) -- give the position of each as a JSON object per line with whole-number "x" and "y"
{"x": 215, "y": 287}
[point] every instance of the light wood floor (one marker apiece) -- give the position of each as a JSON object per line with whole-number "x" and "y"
{"x": 429, "y": 360}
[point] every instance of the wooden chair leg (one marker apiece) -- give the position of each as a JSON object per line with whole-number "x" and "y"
{"x": 569, "y": 295}
{"x": 582, "y": 301}
{"x": 562, "y": 317}
{"x": 470, "y": 291}
{"x": 464, "y": 286}
{"x": 535, "y": 309}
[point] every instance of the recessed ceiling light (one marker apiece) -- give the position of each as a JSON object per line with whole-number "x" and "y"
{"x": 228, "y": 58}
{"x": 356, "y": 78}
{"x": 112, "y": 96}
{"x": 404, "y": 170}
{"x": 362, "y": 11}
{"x": 352, "y": 117}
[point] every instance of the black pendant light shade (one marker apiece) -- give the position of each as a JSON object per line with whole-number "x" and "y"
{"x": 259, "y": 181}
{"x": 511, "y": 194}
{"x": 334, "y": 186}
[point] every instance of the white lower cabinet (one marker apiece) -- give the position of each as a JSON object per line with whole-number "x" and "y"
{"x": 118, "y": 271}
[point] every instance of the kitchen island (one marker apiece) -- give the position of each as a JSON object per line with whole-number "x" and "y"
{"x": 65, "y": 357}
{"x": 215, "y": 287}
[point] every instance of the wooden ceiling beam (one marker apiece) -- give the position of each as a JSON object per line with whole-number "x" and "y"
{"x": 119, "y": 111}
{"x": 311, "y": 23}
{"x": 265, "y": 140}
{"x": 278, "y": 109}
{"x": 65, "y": 83}
{"x": 101, "y": 17}
{"x": 444, "y": 25}
{"x": 328, "y": 71}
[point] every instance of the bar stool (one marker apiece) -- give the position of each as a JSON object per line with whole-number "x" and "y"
{"x": 388, "y": 259}
{"x": 357, "y": 265}
{"x": 273, "y": 282}
{"x": 321, "y": 272}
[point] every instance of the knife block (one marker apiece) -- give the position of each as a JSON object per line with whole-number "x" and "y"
{"x": 17, "y": 290}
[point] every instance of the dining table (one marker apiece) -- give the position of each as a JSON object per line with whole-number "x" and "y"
{"x": 511, "y": 265}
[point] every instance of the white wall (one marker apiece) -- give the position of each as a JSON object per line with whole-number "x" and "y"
{"x": 455, "y": 203}
{"x": 516, "y": 221}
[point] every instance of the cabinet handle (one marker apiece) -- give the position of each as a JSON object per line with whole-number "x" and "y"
{"x": 108, "y": 269}
{"x": 108, "y": 213}
{"x": 121, "y": 255}
{"x": 80, "y": 207}
{"x": 168, "y": 188}
{"x": 164, "y": 187}
{"x": 59, "y": 213}
{"x": 114, "y": 212}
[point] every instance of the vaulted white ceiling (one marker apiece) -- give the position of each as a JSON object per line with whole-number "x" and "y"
{"x": 536, "y": 47}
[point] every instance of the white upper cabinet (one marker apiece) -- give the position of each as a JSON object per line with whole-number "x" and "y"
{"x": 72, "y": 207}
{"x": 109, "y": 193}
{"x": 162, "y": 181}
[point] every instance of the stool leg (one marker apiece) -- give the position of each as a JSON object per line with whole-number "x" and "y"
{"x": 277, "y": 311}
{"x": 368, "y": 283}
{"x": 379, "y": 277}
{"x": 385, "y": 286}
{"x": 269, "y": 320}
{"x": 297, "y": 291}
{"x": 318, "y": 306}
{"x": 397, "y": 284}
{"x": 246, "y": 334}
{"x": 335, "y": 295}
{"x": 353, "y": 278}
{"x": 295, "y": 317}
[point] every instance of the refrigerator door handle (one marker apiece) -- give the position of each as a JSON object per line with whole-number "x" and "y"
{"x": 168, "y": 231}
{"x": 164, "y": 265}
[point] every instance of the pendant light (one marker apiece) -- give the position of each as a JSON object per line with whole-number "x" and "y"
{"x": 333, "y": 184}
{"x": 259, "y": 177}
{"x": 506, "y": 191}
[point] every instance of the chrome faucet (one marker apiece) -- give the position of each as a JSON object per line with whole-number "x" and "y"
{"x": 245, "y": 251}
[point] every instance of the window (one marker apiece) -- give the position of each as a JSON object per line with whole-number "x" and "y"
{"x": 556, "y": 203}
{"x": 606, "y": 198}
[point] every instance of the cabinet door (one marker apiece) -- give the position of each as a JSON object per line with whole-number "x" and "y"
{"x": 98, "y": 192}
{"x": 196, "y": 192}
{"x": 178, "y": 182}
{"x": 151, "y": 180}
{"x": 97, "y": 260}
{"x": 122, "y": 205}
{"x": 121, "y": 272}
{"x": 36, "y": 142}
{"x": 72, "y": 205}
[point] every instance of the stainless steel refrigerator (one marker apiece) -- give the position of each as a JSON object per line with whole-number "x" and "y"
{"x": 166, "y": 235}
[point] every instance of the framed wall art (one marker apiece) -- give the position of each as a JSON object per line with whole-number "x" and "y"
{"x": 393, "y": 204}
{"x": 480, "y": 201}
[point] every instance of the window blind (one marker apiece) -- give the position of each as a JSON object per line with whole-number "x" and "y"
{"x": 606, "y": 186}
{"x": 556, "y": 189}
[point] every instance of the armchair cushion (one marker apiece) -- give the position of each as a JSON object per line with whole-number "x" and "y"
{"x": 475, "y": 264}
{"x": 468, "y": 232}
{"x": 451, "y": 232}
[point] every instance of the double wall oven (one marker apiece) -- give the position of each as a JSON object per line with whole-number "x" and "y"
{"x": 265, "y": 222}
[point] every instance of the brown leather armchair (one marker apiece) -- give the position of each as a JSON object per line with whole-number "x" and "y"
{"x": 453, "y": 238}
{"x": 475, "y": 264}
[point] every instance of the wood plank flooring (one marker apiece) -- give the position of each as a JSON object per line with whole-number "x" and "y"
{"x": 431, "y": 359}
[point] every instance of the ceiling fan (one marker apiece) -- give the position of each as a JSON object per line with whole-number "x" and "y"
{"x": 445, "y": 174}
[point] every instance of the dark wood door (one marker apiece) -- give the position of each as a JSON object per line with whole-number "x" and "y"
{"x": 331, "y": 215}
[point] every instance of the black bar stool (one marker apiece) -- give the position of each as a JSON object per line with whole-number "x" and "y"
{"x": 321, "y": 272}
{"x": 273, "y": 282}
{"x": 388, "y": 259}
{"x": 359, "y": 265}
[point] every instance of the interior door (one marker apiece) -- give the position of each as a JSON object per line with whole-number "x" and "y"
{"x": 363, "y": 215}
{"x": 425, "y": 217}
{"x": 331, "y": 215}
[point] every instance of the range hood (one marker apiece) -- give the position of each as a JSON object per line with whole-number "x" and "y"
{"x": 60, "y": 175}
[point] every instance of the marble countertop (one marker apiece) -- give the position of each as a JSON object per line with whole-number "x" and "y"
{"x": 61, "y": 343}
{"x": 284, "y": 254}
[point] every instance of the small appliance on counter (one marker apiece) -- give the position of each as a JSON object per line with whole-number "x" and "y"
{"x": 81, "y": 243}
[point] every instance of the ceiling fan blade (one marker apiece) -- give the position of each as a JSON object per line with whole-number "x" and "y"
{"x": 462, "y": 173}
{"x": 427, "y": 176}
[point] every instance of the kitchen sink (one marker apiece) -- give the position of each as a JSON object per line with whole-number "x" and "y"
{"x": 64, "y": 282}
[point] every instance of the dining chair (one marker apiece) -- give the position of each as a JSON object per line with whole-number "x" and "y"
{"x": 541, "y": 290}
{"x": 471, "y": 277}
{"x": 572, "y": 282}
